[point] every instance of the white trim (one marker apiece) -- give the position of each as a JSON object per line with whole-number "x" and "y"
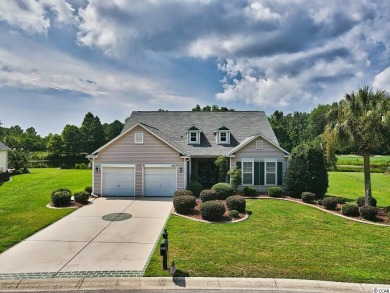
{"x": 127, "y": 131}
{"x": 265, "y": 171}
{"x": 160, "y": 165}
{"x": 197, "y": 133}
{"x": 250, "y": 139}
{"x": 137, "y": 139}
{"x": 185, "y": 173}
{"x": 93, "y": 175}
{"x": 246, "y": 160}
{"x": 102, "y": 166}
{"x": 227, "y": 132}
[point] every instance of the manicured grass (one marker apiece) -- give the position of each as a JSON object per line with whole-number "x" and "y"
{"x": 23, "y": 201}
{"x": 279, "y": 240}
{"x": 375, "y": 160}
{"x": 351, "y": 185}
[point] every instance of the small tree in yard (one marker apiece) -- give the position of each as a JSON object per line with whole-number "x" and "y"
{"x": 222, "y": 165}
{"x": 362, "y": 119}
{"x": 235, "y": 178}
{"x": 18, "y": 159}
{"x": 307, "y": 171}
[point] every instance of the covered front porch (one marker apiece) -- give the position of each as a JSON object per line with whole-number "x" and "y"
{"x": 204, "y": 171}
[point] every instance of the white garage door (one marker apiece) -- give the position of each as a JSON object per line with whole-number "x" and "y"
{"x": 118, "y": 181}
{"x": 159, "y": 181}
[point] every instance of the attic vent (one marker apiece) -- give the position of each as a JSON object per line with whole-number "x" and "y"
{"x": 139, "y": 138}
{"x": 259, "y": 145}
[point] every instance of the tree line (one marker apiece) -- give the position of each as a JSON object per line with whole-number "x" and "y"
{"x": 73, "y": 141}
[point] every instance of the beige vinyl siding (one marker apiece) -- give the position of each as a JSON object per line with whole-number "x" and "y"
{"x": 3, "y": 161}
{"x": 268, "y": 152}
{"x": 125, "y": 151}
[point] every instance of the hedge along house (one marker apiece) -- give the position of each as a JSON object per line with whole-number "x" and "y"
{"x": 158, "y": 153}
{"x": 3, "y": 157}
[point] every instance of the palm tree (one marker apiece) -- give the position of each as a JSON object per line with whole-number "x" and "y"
{"x": 362, "y": 119}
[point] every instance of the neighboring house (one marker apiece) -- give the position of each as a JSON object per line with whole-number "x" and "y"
{"x": 3, "y": 157}
{"x": 159, "y": 152}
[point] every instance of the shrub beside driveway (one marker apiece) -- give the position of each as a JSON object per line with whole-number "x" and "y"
{"x": 23, "y": 202}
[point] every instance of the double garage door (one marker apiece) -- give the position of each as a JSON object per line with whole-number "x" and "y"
{"x": 157, "y": 181}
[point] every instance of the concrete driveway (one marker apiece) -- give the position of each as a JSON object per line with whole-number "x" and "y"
{"x": 83, "y": 243}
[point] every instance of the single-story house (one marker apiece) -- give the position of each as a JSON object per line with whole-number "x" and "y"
{"x": 3, "y": 157}
{"x": 160, "y": 152}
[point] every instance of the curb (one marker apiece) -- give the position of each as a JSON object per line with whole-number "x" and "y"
{"x": 194, "y": 283}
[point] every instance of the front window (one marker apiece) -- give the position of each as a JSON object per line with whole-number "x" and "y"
{"x": 247, "y": 173}
{"x": 270, "y": 173}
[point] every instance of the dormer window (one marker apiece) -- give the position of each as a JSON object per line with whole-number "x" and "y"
{"x": 223, "y": 135}
{"x": 193, "y": 135}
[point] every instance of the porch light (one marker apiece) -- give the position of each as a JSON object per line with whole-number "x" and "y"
{"x": 97, "y": 169}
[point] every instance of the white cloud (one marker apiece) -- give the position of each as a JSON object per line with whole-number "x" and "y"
{"x": 382, "y": 80}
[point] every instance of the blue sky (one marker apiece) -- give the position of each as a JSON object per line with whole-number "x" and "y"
{"x": 60, "y": 59}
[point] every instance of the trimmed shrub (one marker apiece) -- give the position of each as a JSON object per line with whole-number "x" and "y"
{"x": 341, "y": 200}
{"x": 320, "y": 202}
{"x": 330, "y": 203}
{"x": 184, "y": 203}
{"x": 4, "y": 176}
{"x": 361, "y": 201}
{"x": 306, "y": 171}
{"x": 351, "y": 210}
{"x": 224, "y": 190}
{"x": 195, "y": 187}
{"x": 182, "y": 192}
{"x": 61, "y": 189}
{"x": 208, "y": 194}
{"x": 249, "y": 191}
{"x": 88, "y": 189}
{"x": 368, "y": 212}
{"x": 81, "y": 196}
{"x": 61, "y": 198}
{"x": 234, "y": 214}
{"x": 236, "y": 202}
{"x": 275, "y": 191}
{"x": 308, "y": 197}
{"x": 212, "y": 210}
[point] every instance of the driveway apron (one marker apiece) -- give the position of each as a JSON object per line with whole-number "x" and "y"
{"x": 109, "y": 235}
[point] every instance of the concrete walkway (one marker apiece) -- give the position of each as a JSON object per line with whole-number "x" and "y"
{"x": 83, "y": 244}
{"x": 177, "y": 283}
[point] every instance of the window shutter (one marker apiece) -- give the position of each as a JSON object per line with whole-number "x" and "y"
{"x": 280, "y": 173}
{"x": 257, "y": 173}
{"x": 238, "y": 165}
{"x": 262, "y": 173}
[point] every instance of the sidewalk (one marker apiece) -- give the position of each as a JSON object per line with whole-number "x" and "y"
{"x": 142, "y": 283}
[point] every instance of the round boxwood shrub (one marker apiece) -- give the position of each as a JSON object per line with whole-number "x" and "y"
{"x": 182, "y": 192}
{"x": 61, "y": 198}
{"x": 249, "y": 191}
{"x": 361, "y": 201}
{"x": 351, "y": 210}
{"x": 212, "y": 210}
{"x": 234, "y": 214}
{"x": 275, "y": 191}
{"x": 81, "y": 196}
{"x": 368, "y": 212}
{"x": 195, "y": 187}
{"x": 308, "y": 197}
{"x": 330, "y": 203}
{"x": 224, "y": 190}
{"x": 341, "y": 200}
{"x": 319, "y": 202}
{"x": 184, "y": 203}
{"x": 208, "y": 194}
{"x": 236, "y": 202}
{"x": 88, "y": 189}
{"x": 61, "y": 189}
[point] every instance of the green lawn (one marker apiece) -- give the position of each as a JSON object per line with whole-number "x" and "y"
{"x": 279, "y": 240}
{"x": 351, "y": 185}
{"x": 23, "y": 201}
{"x": 356, "y": 160}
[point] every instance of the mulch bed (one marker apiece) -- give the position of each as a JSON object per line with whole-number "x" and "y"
{"x": 195, "y": 214}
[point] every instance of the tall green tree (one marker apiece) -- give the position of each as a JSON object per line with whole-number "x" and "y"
{"x": 72, "y": 137}
{"x": 55, "y": 146}
{"x": 362, "y": 119}
{"x": 92, "y": 133}
{"x": 112, "y": 130}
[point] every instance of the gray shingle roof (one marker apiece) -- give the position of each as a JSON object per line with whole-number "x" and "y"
{"x": 171, "y": 126}
{"x": 4, "y": 147}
